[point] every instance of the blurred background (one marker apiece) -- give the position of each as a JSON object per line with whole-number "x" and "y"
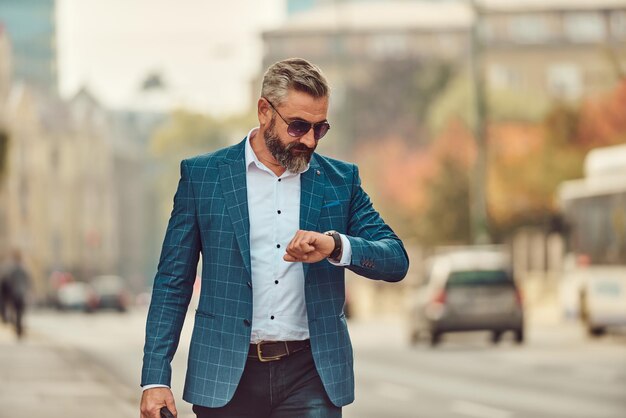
{"x": 484, "y": 130}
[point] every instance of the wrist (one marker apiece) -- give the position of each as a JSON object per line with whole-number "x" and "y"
{"x": 335, "y": 253}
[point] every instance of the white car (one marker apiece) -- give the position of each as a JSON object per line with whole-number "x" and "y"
{"x": 597, "y": 295}
{"x": 76, "y": 296}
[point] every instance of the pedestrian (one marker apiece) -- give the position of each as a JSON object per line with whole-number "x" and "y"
{"x": 4, "y": 298}
{"x": 277, "y": 225}
{"x": 14, "y": 287}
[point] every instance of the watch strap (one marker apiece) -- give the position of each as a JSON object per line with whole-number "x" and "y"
{"x": 336, "y": 253}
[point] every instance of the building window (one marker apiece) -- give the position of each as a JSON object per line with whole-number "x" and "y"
{"x": 487, "y": 31}
{"x": 388, "y": 46}
{"x": 584, "y": 27}
{"x": 529, "y": 29}
{"x": 618, "y": 25}
{"x": 564, "y": 81}
{"x": 503, "y": 77}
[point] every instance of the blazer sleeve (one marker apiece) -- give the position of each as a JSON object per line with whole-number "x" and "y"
{"x": 377, "y": 252}
{"x": 173, "y": 285}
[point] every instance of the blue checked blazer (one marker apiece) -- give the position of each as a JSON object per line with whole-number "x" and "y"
{"x": 210, "y": 216}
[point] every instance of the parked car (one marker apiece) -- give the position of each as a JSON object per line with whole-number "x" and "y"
{"x": 111, "y": 292}
{"x": 467, "y": 290}
{"x": 76, "y": 296}
{"x": 596, "y": 295}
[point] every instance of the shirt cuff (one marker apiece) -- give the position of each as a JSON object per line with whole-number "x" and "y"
{"x": 346, "y": 253}
{"x": 153, "y": 386}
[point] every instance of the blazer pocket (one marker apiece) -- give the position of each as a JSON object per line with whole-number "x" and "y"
{"x": 331, "y": 204}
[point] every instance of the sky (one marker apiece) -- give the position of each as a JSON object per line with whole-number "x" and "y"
{"x": 207, "y": 51}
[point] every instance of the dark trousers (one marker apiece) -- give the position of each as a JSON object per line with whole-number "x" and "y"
{"x": 286, "y": 388}
{"x": 12, "y": 310}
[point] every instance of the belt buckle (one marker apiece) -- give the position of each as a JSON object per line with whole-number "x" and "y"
{"x": 259, "y": 352}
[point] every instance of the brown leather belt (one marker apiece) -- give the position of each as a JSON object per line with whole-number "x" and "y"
{"x": 275, "y": 350}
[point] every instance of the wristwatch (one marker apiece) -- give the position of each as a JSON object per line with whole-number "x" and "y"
{"x": 335, "y": 254}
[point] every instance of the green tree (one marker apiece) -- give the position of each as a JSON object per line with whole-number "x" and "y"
{"x": 184, "y": 134}
{"x": 392, "y": 102}
{"x": 446, "y": 220}
{"x": 455, "y": 102}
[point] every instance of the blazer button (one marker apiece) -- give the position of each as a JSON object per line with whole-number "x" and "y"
{"x": 249, "y": 285}
{"x": 246, "y": 322}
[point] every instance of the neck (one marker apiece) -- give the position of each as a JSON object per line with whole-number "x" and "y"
{"x": 263, "y": 154}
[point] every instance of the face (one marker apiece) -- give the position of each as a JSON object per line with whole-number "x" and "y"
{"x": 290, "y": 152}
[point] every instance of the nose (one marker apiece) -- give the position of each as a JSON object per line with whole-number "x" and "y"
{"x": 308, "y": 139}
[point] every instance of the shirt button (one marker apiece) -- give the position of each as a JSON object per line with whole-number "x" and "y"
{"x": 279, "y": 179}
{"x": 246, "y": 322}
{"x": 277, "y": 245}
{"x": 279, "y": 212}
{"x": 272, "y": 317}
{"x": 275, "y": 281}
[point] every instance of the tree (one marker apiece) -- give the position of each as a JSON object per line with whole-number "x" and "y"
{"x": 446, "y": 219}
{"x": 455, "y": 102}
{"x": 185, "y": 134}
{"x": 392, "y": 101}
{"x": 602, "y": 120}
{"x": 395, "y": 174}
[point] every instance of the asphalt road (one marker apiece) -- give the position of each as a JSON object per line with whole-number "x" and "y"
{"x": 559, "y": 372}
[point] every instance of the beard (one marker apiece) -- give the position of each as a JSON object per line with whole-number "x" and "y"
{"x": 284, "y": 154}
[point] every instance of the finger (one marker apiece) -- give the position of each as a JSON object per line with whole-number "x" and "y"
{"x": 297, "y": 249}
{"x": 295, "y": 242}
{"x": 293, "y": 252}
{"x": 305, "y": 247}
{"x": 289, "y": 258}
{"x": 171, "y": 406}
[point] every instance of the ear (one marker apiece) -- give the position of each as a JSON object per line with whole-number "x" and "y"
{"x": 264, "y": 112}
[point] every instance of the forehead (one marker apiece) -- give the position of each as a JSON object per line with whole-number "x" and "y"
{"x": 304, "y": 106}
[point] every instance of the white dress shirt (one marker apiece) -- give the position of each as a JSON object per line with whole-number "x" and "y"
{"x": 278, "y": 302}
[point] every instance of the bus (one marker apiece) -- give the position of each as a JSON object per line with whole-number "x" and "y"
{"x": 594, "y": 213}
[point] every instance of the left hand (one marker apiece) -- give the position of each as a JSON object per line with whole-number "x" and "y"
{"x": 309, "y": 247}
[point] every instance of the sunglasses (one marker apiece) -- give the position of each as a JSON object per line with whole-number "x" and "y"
{"x": 298, "y": 128}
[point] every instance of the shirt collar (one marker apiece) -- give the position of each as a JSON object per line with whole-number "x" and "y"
{"x": 251, "y": 157}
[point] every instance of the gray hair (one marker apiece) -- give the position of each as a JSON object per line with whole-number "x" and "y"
{"x": 293, "y": 74}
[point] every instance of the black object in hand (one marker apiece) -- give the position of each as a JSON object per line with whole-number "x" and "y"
{"x": 165, "y": 413}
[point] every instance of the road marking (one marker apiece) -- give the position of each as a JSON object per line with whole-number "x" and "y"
{"x": 477, "y": 410}
{"x": 394, "y": 391}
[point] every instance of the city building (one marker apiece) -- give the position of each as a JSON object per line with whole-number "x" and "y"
{"x": 565, "y": 48}
{"x": 562, "y": 48}
{"x": 5, "y": 65}
{"x": 5, "y": 85}
{"x": 58, "y": 195}
{"x": 31, "y": 25}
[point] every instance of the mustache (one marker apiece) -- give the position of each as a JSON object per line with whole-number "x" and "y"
{"x": 300, "y": 147}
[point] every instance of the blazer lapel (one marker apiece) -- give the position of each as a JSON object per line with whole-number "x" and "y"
{"x": 311, "y": 198}
{"x": 233, "y": 183}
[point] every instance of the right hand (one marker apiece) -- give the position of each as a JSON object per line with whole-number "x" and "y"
{"x": 154, "y": 399}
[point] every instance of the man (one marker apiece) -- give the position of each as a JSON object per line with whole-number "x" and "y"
{"x": 270, "y": 337}
{"x": 14, "y": 286}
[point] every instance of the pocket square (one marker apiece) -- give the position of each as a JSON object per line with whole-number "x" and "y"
{"x": 331, "y": 204}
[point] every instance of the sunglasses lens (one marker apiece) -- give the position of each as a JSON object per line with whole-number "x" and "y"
{"x": 320, "y": 130}
{"x": 298, "y": 128}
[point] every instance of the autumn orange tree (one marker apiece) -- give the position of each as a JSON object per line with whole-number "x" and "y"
{"x": 528, "y": 161}
{"x": 528, "y": 158}
{"x": 603, "y": 121}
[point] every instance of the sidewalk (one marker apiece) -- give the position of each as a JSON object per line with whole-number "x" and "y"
{"x": 42, "y": 379}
